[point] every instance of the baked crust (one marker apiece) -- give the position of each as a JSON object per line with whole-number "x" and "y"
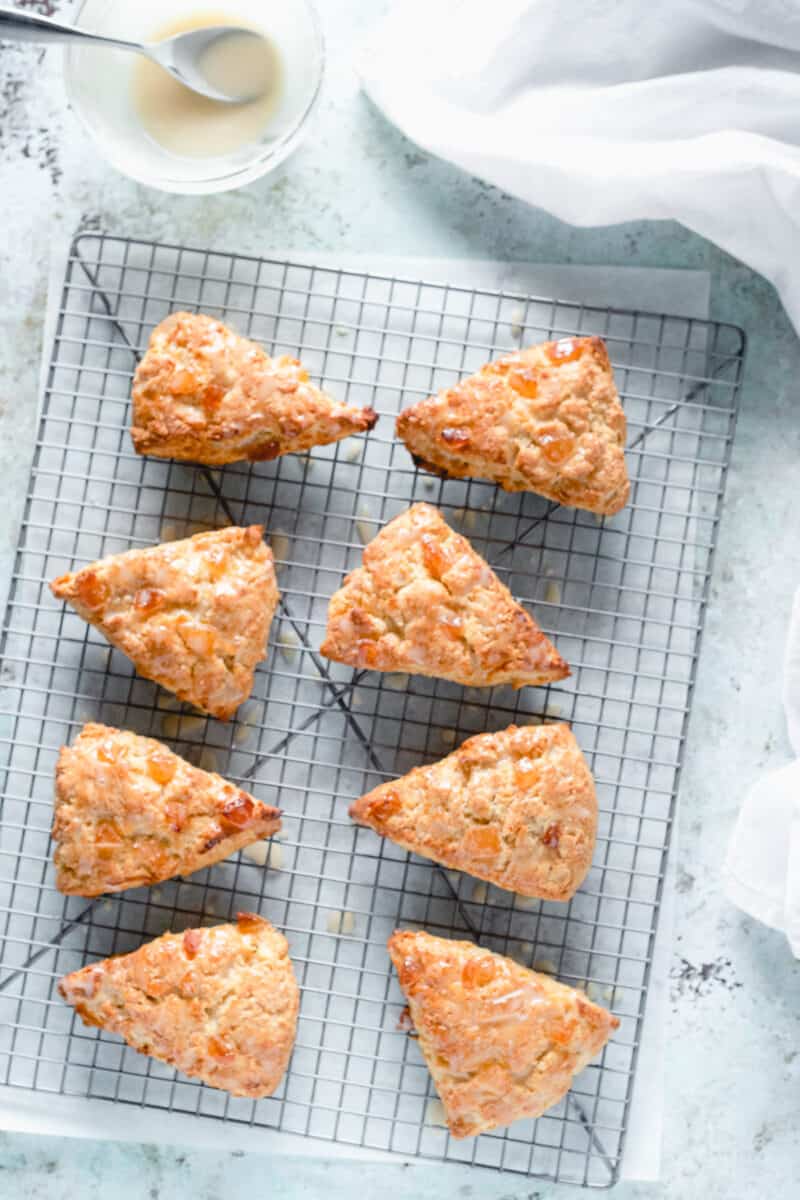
{"x": 516, "y": 808}
{"x": 547, "y": 419}
{"x": 129, "y": 812}
{"x": 501, "y": 1042}
{"x": 202, "y": 392}
{"x": 192, "y": 615}
{"x": 220, "y": 1004}
{"x": 425, "y": 602}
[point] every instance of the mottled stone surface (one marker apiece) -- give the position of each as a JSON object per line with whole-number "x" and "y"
{"x": 733, "y": 1071}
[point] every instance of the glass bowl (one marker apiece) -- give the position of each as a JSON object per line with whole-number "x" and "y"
{"x": 98, "y": 81}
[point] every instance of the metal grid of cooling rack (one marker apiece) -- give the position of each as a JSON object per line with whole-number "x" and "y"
{"x": 622, "y": 598}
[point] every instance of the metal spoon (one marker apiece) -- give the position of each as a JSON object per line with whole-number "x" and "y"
{"x": 180, "y": 55}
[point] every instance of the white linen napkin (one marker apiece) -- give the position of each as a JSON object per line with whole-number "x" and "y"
{"x": 603, "y": 112}
{"x": 762, "y": 869}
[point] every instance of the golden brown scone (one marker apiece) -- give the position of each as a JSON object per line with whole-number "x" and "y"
{"x": 517, "y": 808}
{"x": 501, "y": 1042}
{"x": 547, "y": 419}
{"x": 425, "y": 602}
{"x": 219, "y": 1004}
{"x": 204, "y": 393}
{"x": 129, "y": 812}
{"x": 192, "y": 615}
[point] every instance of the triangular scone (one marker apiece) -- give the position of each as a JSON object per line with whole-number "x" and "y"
{"x": 547, "y": 419}
{"x": 501, "y": 1042}
{"x": 192, "y": 615}
{"x": 517, "y": 808}
{"x": 129, "y": 812}
{"x": 426, "y": 603}
{"x": 219, "y": 1004}
{"x": 204, "y": 393}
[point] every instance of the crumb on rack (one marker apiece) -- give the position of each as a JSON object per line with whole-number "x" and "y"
{"x": 398, "y": 683}
{"x": 545, "y": 965}
{"x": 276, "y": 856}
{"x": 340, "y": 922}
{"x": 258, "y": 853}
{"x": 517, "y": 317}
{"x": 288, "y": 645}
{"x": 434, "y": 1112}
{"x": 552, "y": 592}
{"x": 364, "y": 527}
{"x": 479, "y": 893}
{"x": 525, "y": 902}
{"x": 355, "y": 452}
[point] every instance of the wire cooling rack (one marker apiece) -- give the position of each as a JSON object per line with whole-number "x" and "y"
{"x": 623, "y": 598}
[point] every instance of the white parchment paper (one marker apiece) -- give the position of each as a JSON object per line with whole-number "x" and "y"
{"x": 684, "y": 293}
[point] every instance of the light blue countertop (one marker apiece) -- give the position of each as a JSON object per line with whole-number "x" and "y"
{"x": 733, "y": 1063}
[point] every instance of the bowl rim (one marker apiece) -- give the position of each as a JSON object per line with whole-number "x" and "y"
{"x": 236, "y": 178}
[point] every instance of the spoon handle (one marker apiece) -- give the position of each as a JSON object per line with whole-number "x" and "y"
{"x": 17, "y": 26}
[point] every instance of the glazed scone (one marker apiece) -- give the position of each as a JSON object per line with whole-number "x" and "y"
{"x": 129, "y": 812}
{"x": 516, "y": 808}
{"x": 424, "y": 602}
{"x": 547, "y": 419}
{"x": 219, "y": 1004}
{"x": 501, "y": 1042}
{"x": 202, "y": 392}
{"x": 192, "y": 615}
